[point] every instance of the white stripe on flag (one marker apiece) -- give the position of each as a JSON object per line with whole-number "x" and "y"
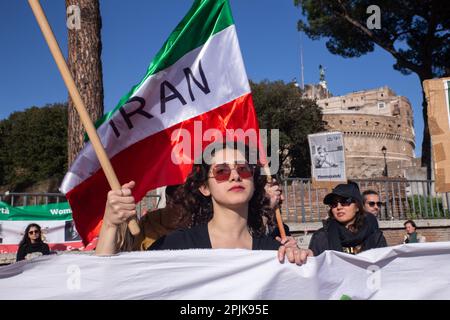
{"x": 227, "y": 81}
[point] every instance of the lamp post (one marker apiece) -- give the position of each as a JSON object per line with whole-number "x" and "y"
{"x": 385, "y": 171}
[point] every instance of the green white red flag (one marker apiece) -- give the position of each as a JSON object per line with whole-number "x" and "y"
{"x": 196, "y": 82}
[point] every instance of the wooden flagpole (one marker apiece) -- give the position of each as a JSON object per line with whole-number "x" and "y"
{"x": 277, "y": 210}
{"x": 78, "y": 102}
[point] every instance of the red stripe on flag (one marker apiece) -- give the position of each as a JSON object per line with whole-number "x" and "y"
{"x": 148, "y": 162}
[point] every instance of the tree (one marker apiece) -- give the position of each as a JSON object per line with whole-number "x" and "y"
{"x": 415, "y": 32}
{"x": 281, "y": 106}
{"x": 33, "y": 146}
{"x": 85, "y": 65}
{"x": 3, "y": 158}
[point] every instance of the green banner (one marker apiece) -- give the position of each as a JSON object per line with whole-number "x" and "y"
{"x": 54, "y": 211}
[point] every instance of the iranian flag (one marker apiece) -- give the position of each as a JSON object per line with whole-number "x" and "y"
{"x": 196, "y": 82}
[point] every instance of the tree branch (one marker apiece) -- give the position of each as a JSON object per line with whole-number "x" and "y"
{"x": 388, "y": 46}
{"x": 395, "y": 37}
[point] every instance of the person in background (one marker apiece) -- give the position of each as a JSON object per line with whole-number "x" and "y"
{"x": 275, "y": 196}
{"x": 32, "y": 243}
{"x": 372, "y": 203}
{"x": 348, "y": 228}
{"x": 157, "y": 223}
{"x": 411, "y": 235}
{"x": 321, "y": 159}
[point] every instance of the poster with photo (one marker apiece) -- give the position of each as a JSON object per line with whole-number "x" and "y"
{"x": 327, "y": 156}
{"x": 70, "y": 232}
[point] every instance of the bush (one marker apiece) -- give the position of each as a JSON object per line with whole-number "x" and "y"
{"x": 427, "y": 207}
{"x": 33, "y": 146}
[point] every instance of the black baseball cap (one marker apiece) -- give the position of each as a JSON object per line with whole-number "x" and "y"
{"x": 345, "y": 190}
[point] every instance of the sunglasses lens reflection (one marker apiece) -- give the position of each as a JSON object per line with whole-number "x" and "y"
{"x": 372, "y": 204}
{"x": 222, "y": 172}
{"x": 344, "y": 202}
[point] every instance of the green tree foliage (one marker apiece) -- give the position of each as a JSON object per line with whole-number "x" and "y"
{"x": 33, "y": 146}
{"x": 415, "y": 32}
{"x": 281, "y": 106}
{"x": 2, "y": 154}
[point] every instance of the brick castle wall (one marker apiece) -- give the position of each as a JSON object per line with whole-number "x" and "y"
{"x": 395, "y": 236}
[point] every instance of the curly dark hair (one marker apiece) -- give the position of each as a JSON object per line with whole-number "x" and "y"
{"x": 201, "y": 208}
{"x": 26, "y": 240}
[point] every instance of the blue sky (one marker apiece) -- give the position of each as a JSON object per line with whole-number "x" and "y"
{"x": 134, "y": 30}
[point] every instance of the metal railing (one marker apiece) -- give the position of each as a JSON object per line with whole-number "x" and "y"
{"x": 15, "y": 199}
{"x": 402, "y": 199}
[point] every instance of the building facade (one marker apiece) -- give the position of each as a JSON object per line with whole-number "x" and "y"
{"x": 370, "y": 120}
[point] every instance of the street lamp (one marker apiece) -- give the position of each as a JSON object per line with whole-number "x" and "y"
{"x": 385, "y": 171}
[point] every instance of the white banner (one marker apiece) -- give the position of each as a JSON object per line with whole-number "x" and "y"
{"x": 413, "y": 271}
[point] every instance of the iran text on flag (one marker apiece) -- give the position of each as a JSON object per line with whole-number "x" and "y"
{"x": 197, "y": 81}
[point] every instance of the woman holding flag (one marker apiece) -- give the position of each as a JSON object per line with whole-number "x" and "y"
{"x": 227, "y": 200}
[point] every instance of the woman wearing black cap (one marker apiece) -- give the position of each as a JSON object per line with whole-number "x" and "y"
{"x": 348, "y": 229}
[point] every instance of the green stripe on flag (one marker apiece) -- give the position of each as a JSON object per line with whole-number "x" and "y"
{"x": 204, "y": 19}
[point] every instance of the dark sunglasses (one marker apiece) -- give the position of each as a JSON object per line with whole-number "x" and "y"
{"x": 221, "y": 172}
{"x": 34, "y": 232}
{"x": 373, "y": 203}
{"x": 345, "y": 202}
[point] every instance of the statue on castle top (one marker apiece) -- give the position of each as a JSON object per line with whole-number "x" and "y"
{"x": 322, "y": 73}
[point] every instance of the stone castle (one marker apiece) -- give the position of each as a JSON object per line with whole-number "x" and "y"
{"x": 370, "y": 120}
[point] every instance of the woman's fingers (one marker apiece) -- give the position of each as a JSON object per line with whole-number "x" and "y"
{"x": 274, "y": 192}
{"x": 284, "y": 252}
{"x": 126, "y": 189}
{"x": 294, "y": 255}
{"x": 116, "y": 196}
{"x": 298, "y": 254}
{"x": 129, "y": 185}
{"x": 290, "y": 254}
{"x": 281, "y": 253}
{"x": 119, "y": 200}
{"x": 121, "y": 205}
{"x": 305, "y": 254}
{"x": 290, "y": 242}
